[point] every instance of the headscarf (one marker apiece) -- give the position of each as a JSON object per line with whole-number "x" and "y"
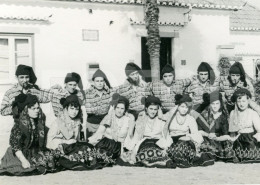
{"x": 21, "y": 101}
{"x": 213, "y": 96}
{"x": 24, "y": 123}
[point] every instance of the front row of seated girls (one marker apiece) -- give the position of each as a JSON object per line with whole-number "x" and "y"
{"x": 180, "y": 138}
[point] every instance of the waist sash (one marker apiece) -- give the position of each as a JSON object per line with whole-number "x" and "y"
{"x": 95, "y": 119}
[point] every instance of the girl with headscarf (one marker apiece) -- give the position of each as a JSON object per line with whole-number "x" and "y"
{"x": 215, "y": 130}
{"x": 115, "y": 131}
{"x": 148, "y": 132}
{"x": 244, "y": 127}
{"x": 64, "y": 137}
{"x": 182, "y": 136}
{"x": 28, "y": 154}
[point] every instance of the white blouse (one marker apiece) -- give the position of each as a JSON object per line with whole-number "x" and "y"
{"x": 119, "y": 129}
{"x": 154, "y": 128}
{"x": 113, "y": 128}
{"x": 188, "y": 127}
{"x": 244, "y": 122}
{"x": 56, "y": 136}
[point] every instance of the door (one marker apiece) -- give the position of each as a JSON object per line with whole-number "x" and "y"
{"x": 165, "y": 56}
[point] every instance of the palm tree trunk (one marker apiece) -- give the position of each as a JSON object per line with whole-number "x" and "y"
{"x": 153, "y": 39}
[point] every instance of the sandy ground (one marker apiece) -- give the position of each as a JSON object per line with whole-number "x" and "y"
{"x": 220, "y": 173}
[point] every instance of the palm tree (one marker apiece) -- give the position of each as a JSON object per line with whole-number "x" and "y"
{"x": 151, "y": 11}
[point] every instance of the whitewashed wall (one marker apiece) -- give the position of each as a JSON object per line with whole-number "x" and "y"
{"x": 198, "y": 41}
{"x": 247, "y": 45}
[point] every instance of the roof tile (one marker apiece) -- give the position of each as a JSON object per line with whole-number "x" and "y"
{"x": 247, "y": 19}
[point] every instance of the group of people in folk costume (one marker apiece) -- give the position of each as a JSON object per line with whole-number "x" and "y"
{"x": 166, "y": 124}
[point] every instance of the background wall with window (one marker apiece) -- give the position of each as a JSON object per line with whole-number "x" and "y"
{"x": 15, "y": 49}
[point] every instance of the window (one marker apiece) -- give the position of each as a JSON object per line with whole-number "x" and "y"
{"x": 257, "y": 69}
{"x": 92, "y": 68}
{"x": 183, "y": 62}
{"x": 14, "y": 50}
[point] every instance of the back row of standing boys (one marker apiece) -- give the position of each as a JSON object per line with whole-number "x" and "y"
{"x": 97, "y": 98}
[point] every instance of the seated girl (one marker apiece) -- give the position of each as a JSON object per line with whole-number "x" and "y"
{"x": 148, "y": 132}
{"x": 64, "y": 136}
{"x": 244, "y": 126}
{"x": 182, "y": 136}
{"x": 28, "y": 154}
{"x": 115, "y": 131}
{"x": 215, "y": 130}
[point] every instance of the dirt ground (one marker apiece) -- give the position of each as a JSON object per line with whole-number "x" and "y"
{"x": 220, "y": 173}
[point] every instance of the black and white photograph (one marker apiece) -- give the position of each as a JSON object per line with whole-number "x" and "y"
{"x": 129, "y": 92}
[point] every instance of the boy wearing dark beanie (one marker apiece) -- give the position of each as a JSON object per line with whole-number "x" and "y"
{"x": 204, "y": 82}
{"x": 26, "y": 82}
{"x": 134, "y": 88}
{"x": 72, "y": 85}
{"x": 168, "y": 87}
{"x": 235, "y": 80}
{"x": 98, "y": 97}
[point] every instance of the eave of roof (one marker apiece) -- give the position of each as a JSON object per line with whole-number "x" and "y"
{"x": 181, "y": 24}
{"x": 24, "y": 17}
{"x": 199, "y": 4}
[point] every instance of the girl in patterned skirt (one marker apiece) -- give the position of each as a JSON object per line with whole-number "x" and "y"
{"x": 181, "y": 133}
{"x": 115, "y": 132}
{"x": 244, "y": 126}
{"x": 215, "y": 130}
{"x": 64, "y": 137}
{"x": 28, "y": 154}
{"x": 148, "y": 134}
